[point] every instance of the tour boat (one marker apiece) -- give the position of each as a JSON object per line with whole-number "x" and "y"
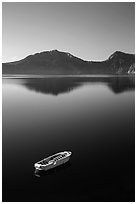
{"x": 53, "y": 161}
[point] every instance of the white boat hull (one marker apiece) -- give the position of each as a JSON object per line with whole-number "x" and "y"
{"x": 59, "y": 159}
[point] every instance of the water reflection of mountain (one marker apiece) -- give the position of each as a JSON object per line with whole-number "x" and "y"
{"x": 59, "y": 85}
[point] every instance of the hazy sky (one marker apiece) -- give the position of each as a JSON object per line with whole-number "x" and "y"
{"x": 89, "y": 30}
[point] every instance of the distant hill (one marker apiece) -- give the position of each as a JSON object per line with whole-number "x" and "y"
{"x": 62, "y": 63}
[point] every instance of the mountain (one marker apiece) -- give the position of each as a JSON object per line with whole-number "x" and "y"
{"x": 62, "y": 63}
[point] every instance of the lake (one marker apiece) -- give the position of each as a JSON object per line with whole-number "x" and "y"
{"x": 94, "y": 117}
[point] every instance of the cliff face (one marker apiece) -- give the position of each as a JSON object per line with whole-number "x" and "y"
{"x": 121, "y": 63}
{"x": 132, "y": 69}
{"x": 55, "y": 62}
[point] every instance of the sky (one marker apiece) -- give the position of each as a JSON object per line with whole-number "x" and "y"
{"x": 88, "y": 30}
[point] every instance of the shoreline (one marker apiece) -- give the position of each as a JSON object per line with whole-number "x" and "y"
{"x": 67, "y": 76}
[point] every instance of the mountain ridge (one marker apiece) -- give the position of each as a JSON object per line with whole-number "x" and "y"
{"x": 56, "y": 62}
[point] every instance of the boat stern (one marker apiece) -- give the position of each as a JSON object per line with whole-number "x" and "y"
{"x": 37, "y": 166}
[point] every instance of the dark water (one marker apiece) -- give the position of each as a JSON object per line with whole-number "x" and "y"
{"x": 92, "y": 117}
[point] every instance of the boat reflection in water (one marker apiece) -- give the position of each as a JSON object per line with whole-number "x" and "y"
{"x": 58, "y": 169}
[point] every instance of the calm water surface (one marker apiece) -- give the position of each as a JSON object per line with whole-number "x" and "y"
{"x": 91, "y": 116}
